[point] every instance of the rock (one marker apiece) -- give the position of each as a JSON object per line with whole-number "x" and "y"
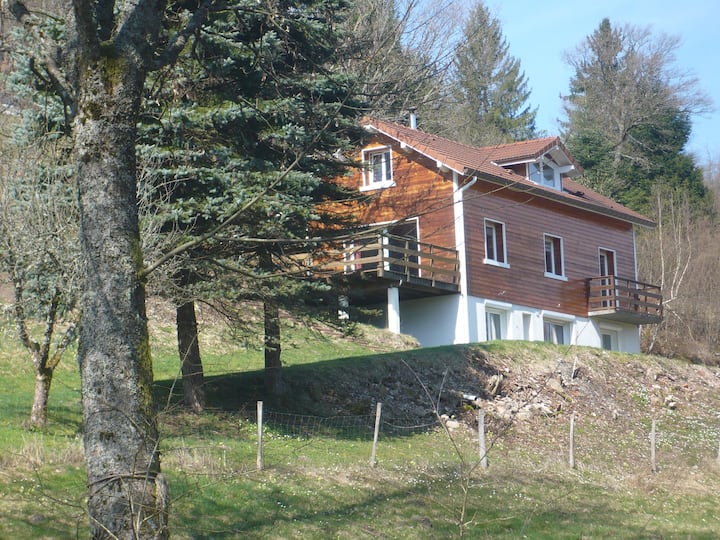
{"x": 671, "y": 402}
{"x": 452, "y": 424}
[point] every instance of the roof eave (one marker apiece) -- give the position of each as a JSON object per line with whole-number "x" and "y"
{"x": 559, "y": 197}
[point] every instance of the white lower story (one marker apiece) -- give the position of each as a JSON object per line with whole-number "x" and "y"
{"x": 452, "y": 319}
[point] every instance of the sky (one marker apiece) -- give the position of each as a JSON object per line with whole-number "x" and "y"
{"x": 539, "y": 33}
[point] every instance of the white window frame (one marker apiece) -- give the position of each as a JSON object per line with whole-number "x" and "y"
{"x": 369, "y": 182}
{"x": 552, "y": 272}
{"x": 561, "y": 320}
{"x": 613, "y": 332}
{"x": 613, "y": 335}
{"x": 495, "y": 225}
{"x": 537, "y": 170}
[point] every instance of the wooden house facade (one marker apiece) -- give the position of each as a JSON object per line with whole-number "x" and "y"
{"x": 469, "y": 244}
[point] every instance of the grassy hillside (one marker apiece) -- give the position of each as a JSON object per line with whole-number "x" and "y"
{"x": 317, "y": 481}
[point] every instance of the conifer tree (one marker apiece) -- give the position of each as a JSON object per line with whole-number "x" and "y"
{"x": 628, "y": 116}
{"x": 489, "y": 92}
{"x": 243, "y": 129}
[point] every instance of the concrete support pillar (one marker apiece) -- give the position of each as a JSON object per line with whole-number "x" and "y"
{"x": 393, "y": 310}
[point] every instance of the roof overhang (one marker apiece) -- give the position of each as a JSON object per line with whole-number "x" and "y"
{"x": 561, "y": 197}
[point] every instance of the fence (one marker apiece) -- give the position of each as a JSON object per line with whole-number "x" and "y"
{"x": 362, "y": 438}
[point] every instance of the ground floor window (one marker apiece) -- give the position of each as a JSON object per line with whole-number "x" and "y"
{"x": 493, "y": 323}
{"x": 554, "y": 332}
{"x": 609, "y": 340}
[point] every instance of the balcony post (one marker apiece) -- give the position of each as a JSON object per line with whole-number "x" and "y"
{"x": 393, "y": 310}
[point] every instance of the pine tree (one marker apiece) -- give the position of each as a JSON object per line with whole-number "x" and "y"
{"x": 488, "y": 103}
{"x": 248, "y": 125}
{"x": 628, "y": 116}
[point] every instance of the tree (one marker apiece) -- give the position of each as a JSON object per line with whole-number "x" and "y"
{"x": 110, "y": 50}
{"x": 401, "y": 54}
{"x": 38, "y": 251}
{"x": 250, "y": 98}
{"x": 489, "y": 93}
{"x": 628, "y": 115}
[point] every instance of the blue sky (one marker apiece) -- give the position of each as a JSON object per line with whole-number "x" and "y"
{"x": 539, "y": 33}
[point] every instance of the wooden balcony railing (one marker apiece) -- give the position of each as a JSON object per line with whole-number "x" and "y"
{"x": 625, "y": 300}
{"x": 401, "y": 258}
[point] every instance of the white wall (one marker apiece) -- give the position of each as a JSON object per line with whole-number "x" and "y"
{"x": 432, "y": 321}
{"x": 437, "y": 321}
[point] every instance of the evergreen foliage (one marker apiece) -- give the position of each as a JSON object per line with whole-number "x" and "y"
{"x": 628, "y": 117}
{"x": 241, "y": 131}
{"x": 489, "y": 92}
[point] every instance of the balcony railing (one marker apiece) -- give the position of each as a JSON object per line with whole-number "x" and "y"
{"x": 401, "y": 258}
{"x": 624, "y": 300}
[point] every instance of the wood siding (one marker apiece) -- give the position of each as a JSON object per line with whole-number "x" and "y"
{"x": 527, "y": 219}
{"x": 421, "y": 191}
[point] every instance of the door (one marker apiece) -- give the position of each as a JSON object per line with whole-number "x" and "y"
{"x": 404, "y": 237}
{"x": 607, "y": 274}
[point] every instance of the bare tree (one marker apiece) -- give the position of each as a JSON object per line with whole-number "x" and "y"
{"x": 38, "y": 251}
{"x": 403, "y": 51}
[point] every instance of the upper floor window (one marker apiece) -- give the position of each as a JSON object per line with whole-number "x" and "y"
{"x": 378, "y": 171}
{"x": 495, "y": 252}
{"x": 543, "y": 172}
{"x": 554, "y": 264}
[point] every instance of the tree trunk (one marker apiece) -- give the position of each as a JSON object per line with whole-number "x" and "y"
{"x": 273, "y": 364}
{"x": 38, "y": 414}
{"x": 127, "y": 495}
{"x": 191, "y": 363}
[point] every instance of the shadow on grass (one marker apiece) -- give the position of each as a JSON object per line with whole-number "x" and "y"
{"x": 346, "y": 388}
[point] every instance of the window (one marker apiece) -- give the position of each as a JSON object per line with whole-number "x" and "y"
{"x": 554, "y": 332}
{"x": 378, "y": 173}
{"x": 609, "y": 340}
{"x": 495, "y": 252}
{"x": 544, "y": 173}
{"x": 493, "y": 324}
{"x": 554, "y": 257}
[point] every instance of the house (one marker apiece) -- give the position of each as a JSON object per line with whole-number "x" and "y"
{"x": 469, "y": 244}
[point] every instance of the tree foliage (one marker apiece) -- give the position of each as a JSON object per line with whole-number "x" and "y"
{"x": 38, "y": 252}
{"x": 402, "y": 52}
{"x": 628, "y": 115}
{"x": 489, "y": 92}
{"x": 241, "y": 130}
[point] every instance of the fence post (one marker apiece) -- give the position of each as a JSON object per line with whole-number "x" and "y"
{"x": 572, "y": 441}
{"x": 481, "y": 439}
{"x": 260, "y": 435}
{"x": 653, "y": 464}
{"x": 378, "y": 412}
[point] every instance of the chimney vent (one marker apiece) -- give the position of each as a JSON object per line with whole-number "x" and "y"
{"x": 413, "y": 118}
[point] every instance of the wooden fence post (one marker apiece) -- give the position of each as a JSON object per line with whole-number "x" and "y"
{"x": 260, "y": 435}
{"x": 572, "y": 441}
{"x": 378, "y": 412}
{"x": 653, "y": 464}
{"x": 481, "y": 439}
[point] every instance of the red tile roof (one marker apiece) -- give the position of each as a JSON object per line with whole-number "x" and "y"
{"x": 486, "y": 162}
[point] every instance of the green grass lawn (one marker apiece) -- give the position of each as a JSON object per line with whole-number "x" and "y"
{"x": 318, "y": 486}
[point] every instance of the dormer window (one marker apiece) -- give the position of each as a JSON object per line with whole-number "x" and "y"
{"x": 545, "y": 173}
{"x": 378, "y": 168}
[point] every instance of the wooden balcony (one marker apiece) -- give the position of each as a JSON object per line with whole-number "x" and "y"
{"x": 418, "y": 268}
{"x": 624, "y": 300}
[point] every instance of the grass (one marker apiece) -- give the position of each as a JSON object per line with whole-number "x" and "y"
{"x": 316, "y": 486}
